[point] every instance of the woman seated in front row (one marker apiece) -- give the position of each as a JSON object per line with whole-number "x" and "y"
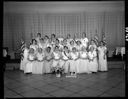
{"x": 31, "y": 60}
{"x": 38, "y": 64}
{"x": 47, "y": 60}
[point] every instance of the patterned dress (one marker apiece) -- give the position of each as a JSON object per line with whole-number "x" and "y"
{"x": 93, "y": 64}
{"x": 102, "y": 59}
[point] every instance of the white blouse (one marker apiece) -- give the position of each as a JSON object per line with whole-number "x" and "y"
{"x": 31, "y": 57}
{"x": 74, "y": 55}
{"x": 25, "y": 54}
{"x": 83, "y": 54}
{"x": 34, "y": 47}
{"x": 92, "y": 54}
{"x": 65, "y": 55}
{"x": 39, "y": 56}
{"x": 56, "y": 55}
{"x": 84, "y": 41}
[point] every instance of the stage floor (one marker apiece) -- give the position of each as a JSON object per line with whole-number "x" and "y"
{"x": 101, "y": 84}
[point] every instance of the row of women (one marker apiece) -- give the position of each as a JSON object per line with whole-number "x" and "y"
{"x": 72, "y": 55}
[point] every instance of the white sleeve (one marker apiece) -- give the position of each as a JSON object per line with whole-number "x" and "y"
{"x": 86, "y": 39}
{"x": 95, "y": 54}
{"x": 105, "y": 48}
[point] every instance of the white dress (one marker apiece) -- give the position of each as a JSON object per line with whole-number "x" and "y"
{"x": 66, "y": 62}
{"x": 78, "y": 60}
{"x": 24, "y": 61}
{"x": 37, "y": 39}
{"x": 68, "y": 42}
{"x": 61, "y": 46}
{"x": 79, "y": 47}
{"x": 40, "y": 45}
{"x": 93, "y": 64}
{"x": 56, "y": 59}
{"x": 47, "y": 63}
{"x": 83, "y": 65}
{"x": 50, "y": 45}
{"x": 29, "y": 64}
{"x": 74, "y": 62}
{"x": 38, "y": 64}
{"x": 102, "y": 61}
{"x": 60, "y": 39}
{"x": 95, "y": 47}
{"x": 61, "y": 61}
{"x": 84, "y": 41}
{"x": 34, "y": 47}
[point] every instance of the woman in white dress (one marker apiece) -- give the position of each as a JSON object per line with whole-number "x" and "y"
{"x": 61, "y": 45}
{"x": 65, "y": 42}
{"x": 84, "y": 40}
{"x": 73, "y": 62}
{"x": 31, "y": 60}
{"x": 78, "y": 47}
{"x": 102, "y": 57}
{"x": 48, "y": 59}
{"x": 72, "y": 44}
{"x": 53, "y": 38}
{"x": 92, "y": 43}
{"x": 69, "y": 39}
{"x": 46, "y": 40}
{"x": 93, "y": 64}
{"x": 38, "y": 64}
{"x": 38, "y": 38}
{"x": 24, "y": 59}
{"x": 56, "y": 55}
{"x": 57, "y": 61}
{"x": 83, "y": 65}
{"x": 41, "y": 43}
{"x": 34, "y": 45}
{"x": 65, "y": 57}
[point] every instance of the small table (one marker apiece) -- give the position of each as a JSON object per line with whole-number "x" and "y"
{"x": 120, "y": 50}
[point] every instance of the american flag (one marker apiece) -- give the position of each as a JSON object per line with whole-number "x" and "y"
{"x": 22, "y": 48}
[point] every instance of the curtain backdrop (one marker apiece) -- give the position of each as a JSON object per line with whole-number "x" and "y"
{"x": 26, "y": 26}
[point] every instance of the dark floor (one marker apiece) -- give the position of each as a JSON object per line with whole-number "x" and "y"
{"x": 101, "y": 84}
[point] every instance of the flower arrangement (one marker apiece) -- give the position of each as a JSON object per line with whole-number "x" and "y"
{"x": 58, "y": 71}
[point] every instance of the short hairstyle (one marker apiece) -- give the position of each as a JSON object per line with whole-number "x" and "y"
{"x": 65, "y": 47}
{"x": 57, "y": 40}
{"x": 73, "y": 48}
{"x": 56, "y": 47}
{"x": 71, "y": 41}
{"x": 34, "y": 40}
{"x": 48, "y": 48}
{"x": 31, "y": 50}
{"x": 78, "y": 41}
{"x": 46, "y": 36}
{"x": 39, "y": 34}
{"x": 53, "y": 35}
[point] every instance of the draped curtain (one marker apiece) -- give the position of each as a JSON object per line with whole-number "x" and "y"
{"x": 25, "y": 26}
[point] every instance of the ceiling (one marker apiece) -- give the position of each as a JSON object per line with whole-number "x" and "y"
{"x": 62, "y": 7}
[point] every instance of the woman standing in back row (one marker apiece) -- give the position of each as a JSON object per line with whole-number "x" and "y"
{"x": 102, "y": 57}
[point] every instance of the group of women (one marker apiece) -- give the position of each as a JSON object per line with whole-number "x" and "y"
{"x": 69, "y": 55}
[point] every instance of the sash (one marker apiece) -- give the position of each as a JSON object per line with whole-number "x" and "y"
{"x": 66, "y": 56}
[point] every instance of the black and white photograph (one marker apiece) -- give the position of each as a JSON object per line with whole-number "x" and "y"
{"x": 64, "y": 49}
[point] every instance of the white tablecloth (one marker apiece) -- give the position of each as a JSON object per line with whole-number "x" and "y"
{"x": 120, "y": 50}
